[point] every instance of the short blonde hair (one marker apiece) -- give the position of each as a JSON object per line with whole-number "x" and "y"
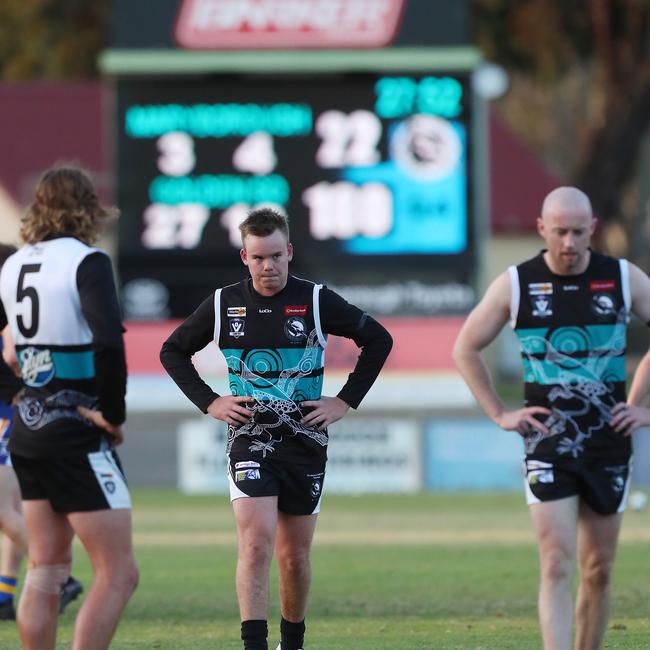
{"x": 65, "y": 203}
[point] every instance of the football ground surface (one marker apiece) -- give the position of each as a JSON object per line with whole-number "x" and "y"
{"x": 389, "y": 572}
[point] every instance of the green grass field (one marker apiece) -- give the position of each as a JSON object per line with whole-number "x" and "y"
{"x": 390, "y": 572}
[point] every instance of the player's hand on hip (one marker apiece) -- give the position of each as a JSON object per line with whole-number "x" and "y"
{"x": 98, "y": 419}
{"x": 523, "y": 421}
{"x": 231, "y": 409}
{"x": 626, "y": 418}
{"x": 326, "y": 411}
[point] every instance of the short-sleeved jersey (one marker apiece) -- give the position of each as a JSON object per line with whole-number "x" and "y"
{"x": 572, "y": 333}
{"x": 274, "y": 349}
{"x": 54, "y": 347}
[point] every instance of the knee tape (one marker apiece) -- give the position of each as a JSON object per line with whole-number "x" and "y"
{"x": 47, "y": 578}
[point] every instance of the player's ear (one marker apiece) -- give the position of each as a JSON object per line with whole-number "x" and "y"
{"x": 290, "y": 251}
{"x": 540, "y": 226}
{"x": 244, "y": 256}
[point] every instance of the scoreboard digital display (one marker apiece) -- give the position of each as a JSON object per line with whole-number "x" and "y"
{"x": 373, "y": 171}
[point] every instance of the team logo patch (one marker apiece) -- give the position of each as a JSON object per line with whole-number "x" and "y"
{"x": 618, "y": 478}
{"x": 540, "y": 288}
{"x": 247, "y": 475}
{"x": 542, "y": 306}
{"x": 295, "y": 328}
{"x": 539, "y": 472}
{"x": 315, "y": 489}
{"x": 236, "y": 327}
{"x": 36, "y": 366}
{"x": 602, "y": 304}
{"x": 602, "y": 285}
{"x": 246, "y": 464}
{"x": 295, "y": 310}
{"x": 237, "y": 312}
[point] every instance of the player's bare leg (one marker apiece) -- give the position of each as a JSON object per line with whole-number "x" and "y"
{"x": 49, "y": 538}
{"x": 555, "y": 524}
{"x": 256, "y": 519}
{"x": 11, "y": 517}
{"x": 597, "y": 541}
{"x": 106, "y": 536}
{"x": 292, "y": 550}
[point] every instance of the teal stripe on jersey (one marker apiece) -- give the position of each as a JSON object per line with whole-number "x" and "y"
{"x": 297, "y": 390}
{"x": 74, "y": 365}
{"x": 568, "y": 340}
{"x": 545, "y": 373}
{"x": 247, "y": 370}
{"x": 565, "y": 354}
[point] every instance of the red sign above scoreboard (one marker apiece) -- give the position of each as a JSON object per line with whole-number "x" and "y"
{"x": 282, "y": 24}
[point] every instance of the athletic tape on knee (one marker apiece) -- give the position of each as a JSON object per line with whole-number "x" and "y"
{"x": 47, "y": 578}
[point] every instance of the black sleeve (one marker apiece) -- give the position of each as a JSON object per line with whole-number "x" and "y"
{"x": 101, "y": 309}
{"x": 192, "y": 335}
{"x": 340, "y": 318}
{"x": 9, "y": 383}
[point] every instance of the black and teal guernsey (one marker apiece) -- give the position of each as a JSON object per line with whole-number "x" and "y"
{"x": 572, "y": 333}
{"x": 274, "y": 348}
{"x": 60, "y": 301}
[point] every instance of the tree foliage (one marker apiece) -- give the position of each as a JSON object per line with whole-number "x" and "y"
{"x": 51, "y": 39}
{"x": 580, "y": 87}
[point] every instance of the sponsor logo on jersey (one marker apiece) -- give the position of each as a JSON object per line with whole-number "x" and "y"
{"x": 236, "y": 327}
{"x": 264, "y": 311}
{"x": 540, "y": 288}
{"x": 36, "y": 366}
{"x": 295, "y": 310}
{"x": 246, "y": 463}
{"x": 570, "y": 287}
{"x": 295, "y": 329}
{"x": 602, "y": 285}
{"x": 237, "y": 312}
{"x": 247, "y": 475}
{"x": 602, "y": 304}
{"x": 542, "y": 306}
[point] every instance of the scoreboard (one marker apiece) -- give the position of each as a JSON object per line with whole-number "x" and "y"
{"x": 373, "y": 170}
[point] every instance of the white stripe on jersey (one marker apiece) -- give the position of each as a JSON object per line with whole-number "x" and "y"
{"x": 322, "y": 338}
{"x": 515, "y": 292}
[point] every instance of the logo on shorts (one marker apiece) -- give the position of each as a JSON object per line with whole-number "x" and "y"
{"x": 247, "y": 475}
{"x": 618, "y": 480}
{"x": 315, "y": 489}
{"x": 295, "y": 328}
{"x": 539, "y": 472}
{"x": 36, "y": 366}
{"x": 236, "y": 327}
{"x": 246, "y": 463}
{"x": 110, "y": 486}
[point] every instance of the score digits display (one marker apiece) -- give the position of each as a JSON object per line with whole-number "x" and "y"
{"x": 373, "y": 171}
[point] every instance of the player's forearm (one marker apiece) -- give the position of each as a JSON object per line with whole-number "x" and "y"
{"x": 640, "y": 388}
{"x": 477, "y": 377}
